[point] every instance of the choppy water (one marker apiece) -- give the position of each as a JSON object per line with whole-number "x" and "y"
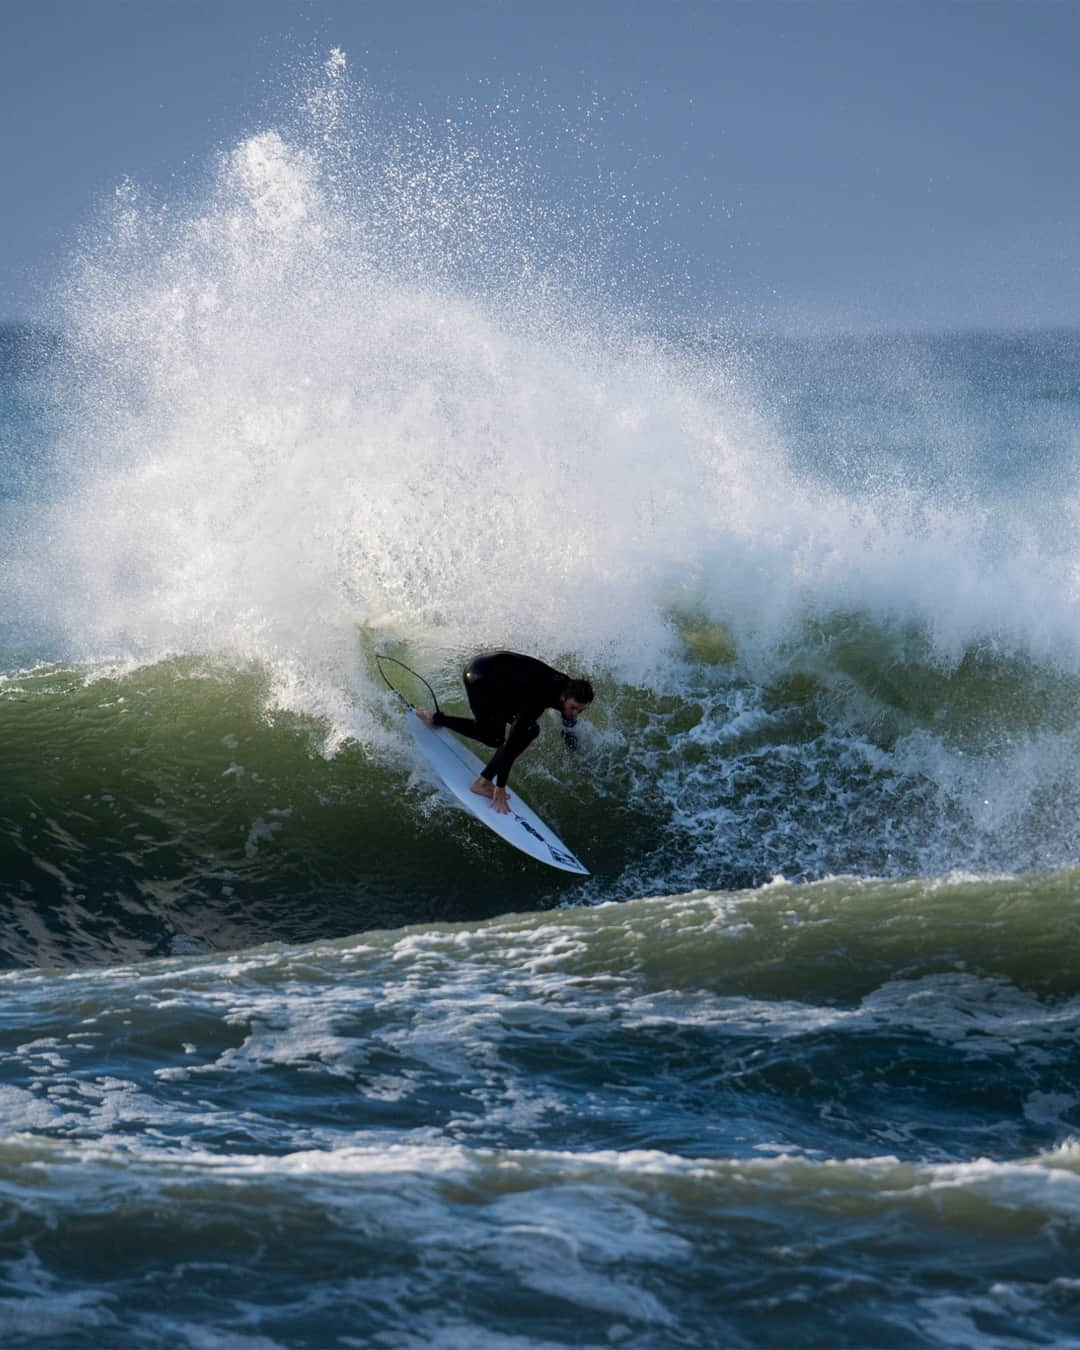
{"x": 293, "y": 1053}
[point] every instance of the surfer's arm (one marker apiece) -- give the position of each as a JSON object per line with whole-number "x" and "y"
{"x": 522, "y": 732}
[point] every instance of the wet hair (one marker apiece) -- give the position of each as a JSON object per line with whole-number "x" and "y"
{"x": 580, "y": 691}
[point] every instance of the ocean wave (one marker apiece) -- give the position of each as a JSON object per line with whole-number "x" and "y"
{"x": 343, "y": 396}
{"x": 151, "y": 806}
{"x": 841, "y": 1018}
{"x": 613, "y": 1246}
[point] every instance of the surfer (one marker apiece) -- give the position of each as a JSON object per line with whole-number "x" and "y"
{"x": 507, "y": 692}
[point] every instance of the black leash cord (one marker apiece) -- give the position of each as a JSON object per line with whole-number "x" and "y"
{"x": 380, "y": 658}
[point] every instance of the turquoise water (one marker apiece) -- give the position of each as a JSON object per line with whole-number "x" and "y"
{"x": 294, "y": 1053}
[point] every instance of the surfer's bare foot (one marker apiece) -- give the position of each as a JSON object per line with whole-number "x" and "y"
{"x": 427, "y": 718}
{"x": 498, "y": 796}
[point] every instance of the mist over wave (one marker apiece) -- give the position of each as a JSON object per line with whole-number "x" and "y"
{"x": 367, "y": 376}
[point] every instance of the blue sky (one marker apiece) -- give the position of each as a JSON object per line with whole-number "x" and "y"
{"x": 816, "y": 164}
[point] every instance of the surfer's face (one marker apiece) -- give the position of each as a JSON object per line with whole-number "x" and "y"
{"x": 572, "y": 708}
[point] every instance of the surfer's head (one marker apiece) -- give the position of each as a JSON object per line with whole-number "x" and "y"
{"x": 575, "y": 698}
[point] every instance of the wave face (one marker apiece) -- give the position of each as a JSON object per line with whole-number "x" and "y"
{"x": 322, "y": 1060}
{"x": 179, "y": 802}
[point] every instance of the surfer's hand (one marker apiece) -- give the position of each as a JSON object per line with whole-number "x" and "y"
{"x": 500, "y": 800}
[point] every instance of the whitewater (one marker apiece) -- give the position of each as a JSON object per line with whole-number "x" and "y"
{"x": 294, "y": 1054}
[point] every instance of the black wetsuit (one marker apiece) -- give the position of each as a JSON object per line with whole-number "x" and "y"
{"x": 505, "y": 688}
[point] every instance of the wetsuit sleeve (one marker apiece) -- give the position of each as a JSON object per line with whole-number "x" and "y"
{"x": 522, "y": 732}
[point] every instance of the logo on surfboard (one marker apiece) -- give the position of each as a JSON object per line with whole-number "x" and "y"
{"x": 559, "y": 855}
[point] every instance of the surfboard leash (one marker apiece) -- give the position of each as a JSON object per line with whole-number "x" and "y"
{"x": 380, "y": 657}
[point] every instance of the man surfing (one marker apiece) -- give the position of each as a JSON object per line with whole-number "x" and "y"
{"x": 507, "y": 692}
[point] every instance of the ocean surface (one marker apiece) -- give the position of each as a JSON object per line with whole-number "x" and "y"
{"x": 293, "y": 1054}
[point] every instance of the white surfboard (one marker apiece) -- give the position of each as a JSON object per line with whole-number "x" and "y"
{"x": 458, "y": 768}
